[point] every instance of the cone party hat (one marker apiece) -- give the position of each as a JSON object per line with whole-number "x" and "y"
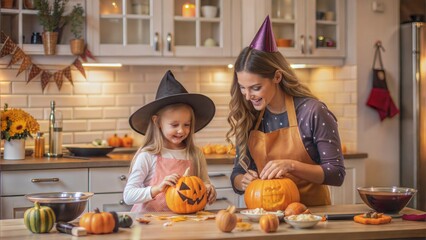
{"x": 264, "y": 39}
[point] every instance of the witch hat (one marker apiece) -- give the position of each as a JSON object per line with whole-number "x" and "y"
{"x": 264, "y": 39}
{"x": 170, "y": 91}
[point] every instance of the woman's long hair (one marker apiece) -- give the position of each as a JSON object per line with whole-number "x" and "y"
{"x": 242, "y": 115}
{"x": 154, "y": 140}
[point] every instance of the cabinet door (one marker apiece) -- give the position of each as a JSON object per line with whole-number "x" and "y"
{"x": 14, "y": 207}
{"x": 196, "y": 28}
{"x": 224, "y": 198}
{"x": 108, "y": 180}
{"x": 109, "y": 202}
{"x": 125, "y": 27}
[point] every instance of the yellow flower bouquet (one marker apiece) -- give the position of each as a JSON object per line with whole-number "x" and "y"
{"x": 17, "y": 124}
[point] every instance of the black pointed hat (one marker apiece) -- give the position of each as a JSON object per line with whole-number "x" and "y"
{"x": 170, "y": 91}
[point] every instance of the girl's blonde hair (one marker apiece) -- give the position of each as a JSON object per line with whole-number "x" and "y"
{"x": 242, "y": 115}
{"x": 154, "y": 142}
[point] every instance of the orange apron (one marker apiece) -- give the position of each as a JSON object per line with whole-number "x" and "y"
{"x": 286, "y": 143}
{"x": 163, "y": 168}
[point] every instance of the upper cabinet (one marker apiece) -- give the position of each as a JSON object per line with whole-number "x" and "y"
{"x": 19, "y": 21}
{"x": 179, "y": 28}
{"x": 304, "y": 29}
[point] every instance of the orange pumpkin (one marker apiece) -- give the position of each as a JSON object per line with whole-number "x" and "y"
{"x": 189, "y": 195}
{"x": 115, "y": 141}
{"x": 98, "y": 222}
{"x": 269, "y": 223}
{"x": 296, "y": 208}
{"x": 271, "y": 194}
{"x": 127, "y": 141}
{"x": 226, "y": 220}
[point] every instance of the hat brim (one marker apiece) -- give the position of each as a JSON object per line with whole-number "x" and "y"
{"x": 204, "y": 110}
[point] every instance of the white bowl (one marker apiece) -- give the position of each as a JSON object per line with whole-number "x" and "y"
{"x": 255, "y": 217}
{"x": 303, "y": 223}
{"x": 209, "y": 11}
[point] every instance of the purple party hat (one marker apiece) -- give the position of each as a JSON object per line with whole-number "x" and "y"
{"x": 264, "y": 39}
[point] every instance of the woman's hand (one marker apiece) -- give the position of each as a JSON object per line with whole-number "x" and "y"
{"x": 168, "y": 181}
{"x": 248, "y": 178}
{"x": 277, "y": 169}
{"x": 211, "y": 193}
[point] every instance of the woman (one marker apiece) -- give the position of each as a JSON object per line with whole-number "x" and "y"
{"x": 281, "y": 129}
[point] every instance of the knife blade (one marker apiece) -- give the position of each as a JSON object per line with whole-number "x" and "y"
{"x": 343, "y": 216}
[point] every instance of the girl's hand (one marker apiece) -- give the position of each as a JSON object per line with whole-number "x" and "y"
{"x": 277, "y": 169}
{"x": 168, "y": 181}
{"x": 211, "y": 193}
{"x": 248, "y": 178}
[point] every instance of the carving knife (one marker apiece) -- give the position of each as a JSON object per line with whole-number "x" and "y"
{"x": 343, "y": 216}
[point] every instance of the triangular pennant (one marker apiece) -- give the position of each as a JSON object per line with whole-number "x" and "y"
{"x": 18, "y": 55}
{"x": 79, "y": 66}
{"x": 58, "y": 78}
{"x": 3, "y": 37}
{"x": 45, "y": 78}
{"x": 33, "y": 72}
{"x": 67, "y": 73}
{"x": 86, "y": 54}
{"x": 24, "y": 65}
{"x": 8, "y": 47}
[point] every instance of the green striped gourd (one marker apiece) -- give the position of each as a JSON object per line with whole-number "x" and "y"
{"x": 39, "y": 219}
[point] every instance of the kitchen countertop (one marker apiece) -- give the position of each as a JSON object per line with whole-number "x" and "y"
{"x": 329, "y": 230}
{"x": 116, "y": 159}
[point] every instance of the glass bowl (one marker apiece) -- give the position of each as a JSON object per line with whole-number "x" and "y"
{"x": 303, "y": 220}
{"x": 386, "y": 199}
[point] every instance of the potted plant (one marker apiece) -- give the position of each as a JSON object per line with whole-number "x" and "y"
{"x": 52, "y": 19}
{"x": 76, "y": 19}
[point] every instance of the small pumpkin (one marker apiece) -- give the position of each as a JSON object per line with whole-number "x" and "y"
{"x": 226, "y": 220}
{"x": 296, "y": 208}
{"x": 271, "y": 194}
{"x": 115, "y": 141}
{"x": 127, "y": 141}
{"x": 207, "y": 149}
{"x": 269, "y": 223}
{"x": 39, "y": 219}
{"x": 98, "y": 222}
{"x": 189, "y": 195}
{"x": 125, "y": 221}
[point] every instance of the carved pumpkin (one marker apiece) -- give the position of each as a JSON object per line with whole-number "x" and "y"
{"x": 272, "y": 194}
{"x": 189, "y": 195}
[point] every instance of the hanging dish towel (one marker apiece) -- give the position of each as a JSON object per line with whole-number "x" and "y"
{"x": 380, "y": 98}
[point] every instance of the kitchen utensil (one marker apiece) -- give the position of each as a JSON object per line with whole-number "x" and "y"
{"x": 344, "y": 216}
{"x": 88, "y": 150}
{"x": 386, "y": 199}
{"x": 66, "y": 205}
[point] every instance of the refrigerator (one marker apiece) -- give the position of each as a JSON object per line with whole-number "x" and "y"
{"x": 413, "y": 110}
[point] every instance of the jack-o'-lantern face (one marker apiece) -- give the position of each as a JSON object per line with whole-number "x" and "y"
{"x": 188, "y": 196}
{"x": 271, "y": 195}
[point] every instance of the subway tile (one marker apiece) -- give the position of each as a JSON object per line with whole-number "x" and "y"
{"x": 52, "y": 88}
{"x": 129, "y": 100}
{"x": 88, "y": 113}
{"x": 129, "y": 77}
{"x": 350, "y": 86}
{"x": 100, "y": 124}
{"x": 32, "y": 87}
{"x": 123, "y": 124}
{"x": 67, "y": 113}
{"x": 354, "y": 98}
{"x": 61, "y": 100}
{"x": 115, "y": 88}
{"x": 346, "y": 72}
{"x": 88, "y": 88}
{"x": 100, "y": 76}
{"x": 87, "y": 137}
{"x": 14, "y": 101}
{"x": 116, "y": 112}
{"x": 9, "y": 74}
{"x": 350, "y": 111}
{"x": 75, "y": 125}
{"x": 342, "y": 98}
{"x": 320, "y": 74}
{"x": 101, "y": 101}
{"x": 220, "y": 99}
{"x": 146, "y": 87}
{"x": 5, "y": 88}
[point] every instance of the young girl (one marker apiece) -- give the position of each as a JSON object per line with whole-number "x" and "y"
{"x": 168, "y": 124}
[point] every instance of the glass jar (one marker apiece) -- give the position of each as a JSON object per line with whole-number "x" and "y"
{"x": 39, "y": 145}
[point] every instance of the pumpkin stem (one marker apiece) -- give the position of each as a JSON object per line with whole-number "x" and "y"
{"x": 186, "y": 174}
{"x": 97, "y": 210}
{"x": 230, "y": 209}
{"x": 36, "y": 205}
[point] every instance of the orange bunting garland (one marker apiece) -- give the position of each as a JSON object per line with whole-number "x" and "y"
{"x": 9, "y": 47}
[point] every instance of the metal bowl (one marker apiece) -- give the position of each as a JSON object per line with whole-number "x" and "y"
{"x": 66, "y": 205}
{"x": 88, "y": 150}
{"x": 386, "y": 199}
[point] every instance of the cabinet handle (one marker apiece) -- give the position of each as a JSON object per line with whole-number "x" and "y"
{"x": 302, "y": 44}
{"x": 311, "y": 49}
{"x": 123, "y": 177}
{"x": 169, "y": 42}
{"x": 156, "y": 42}
{"x": 37, "y": 180}
{"x": 122, "y": 202}
{"x": 217, "y": 175}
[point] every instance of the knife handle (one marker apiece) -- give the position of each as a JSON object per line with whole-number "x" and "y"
{"x": 345, "y": 216}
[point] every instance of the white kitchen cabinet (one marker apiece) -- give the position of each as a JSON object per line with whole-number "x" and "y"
{"x": 304, "y": 29}
{"x": 220, "y": 175}
{"x": 21, "y": 21}
{"x": 15, "y": 184}
{"x": 157, "y": 28}
{"x": 108, "y": 184}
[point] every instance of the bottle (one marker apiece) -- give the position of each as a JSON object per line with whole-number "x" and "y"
{"x": 39, "y": 145}
{"x": 55, "y": 132}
